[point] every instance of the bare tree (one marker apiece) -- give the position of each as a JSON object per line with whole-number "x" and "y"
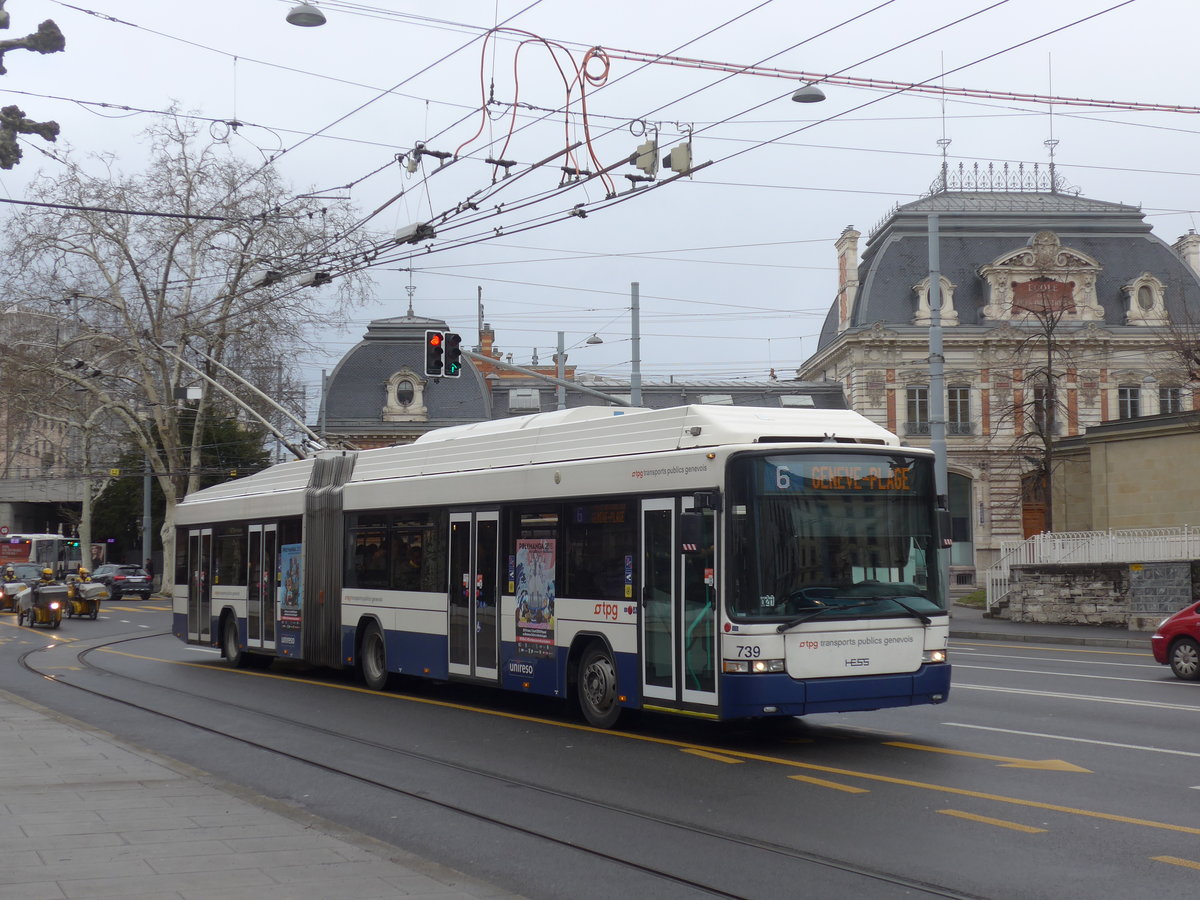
{"x": 47, "y": 39}
{"x": 150, "y": 279}
{"x": 1040, "y": 361}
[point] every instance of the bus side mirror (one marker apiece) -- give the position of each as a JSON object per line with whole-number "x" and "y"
{"x": 692, "y": 537}
{"x": 945, "y": 529}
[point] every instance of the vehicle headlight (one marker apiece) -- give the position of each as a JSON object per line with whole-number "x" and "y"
{"x": 753, "y": 666}
{"x": 933, "y": 656}
{"x": 54, "y": 605}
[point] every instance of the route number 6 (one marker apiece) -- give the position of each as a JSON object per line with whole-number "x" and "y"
{"x": 783, "y": 478}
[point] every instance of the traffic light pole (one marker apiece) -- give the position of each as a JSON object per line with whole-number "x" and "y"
{"x": 573, "y": 385}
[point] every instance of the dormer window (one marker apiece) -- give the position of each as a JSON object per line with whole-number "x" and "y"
{"x": 1144, "y": 301}
{"x": 924, "y": 314}
{"x": 404, "y": 397}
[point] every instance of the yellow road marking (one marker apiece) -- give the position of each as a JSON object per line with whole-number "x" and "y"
{"x": 1011, "y": 762}
{"x": 668, "y": 742}
{"x": 1176, "y": 861}
{"x": 57, "y": 638}
{"x": 706, "y": 754}
{"x": 849, "y": 789}
{"x": 988, "y": 820}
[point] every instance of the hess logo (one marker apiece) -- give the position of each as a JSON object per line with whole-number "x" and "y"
{"x": 607, "y": 611}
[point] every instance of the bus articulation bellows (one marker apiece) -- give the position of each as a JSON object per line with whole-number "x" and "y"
{"x": 721, "y": 562}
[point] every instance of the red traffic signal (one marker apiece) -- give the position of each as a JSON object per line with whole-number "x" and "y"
{"x": 434, "y": 341}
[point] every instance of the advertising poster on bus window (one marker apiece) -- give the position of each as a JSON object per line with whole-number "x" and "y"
{"x": 291, "y": 595}
{"x": 535, "y": 598}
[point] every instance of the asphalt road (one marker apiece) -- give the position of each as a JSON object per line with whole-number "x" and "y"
{"x": 1056, "y": 772}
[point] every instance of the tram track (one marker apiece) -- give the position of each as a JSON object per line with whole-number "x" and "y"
{"x": 740, "y": 841}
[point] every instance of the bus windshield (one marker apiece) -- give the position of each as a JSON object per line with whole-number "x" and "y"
{"x": 832, "y": 536}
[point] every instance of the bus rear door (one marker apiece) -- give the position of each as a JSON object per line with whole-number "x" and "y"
{"x": 679, "y": 609}
{"x": 200, "y": 585}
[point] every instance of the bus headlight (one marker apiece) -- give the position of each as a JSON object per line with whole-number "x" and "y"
{"x": 933, "y": 656}
{"x": 752, "y": 666}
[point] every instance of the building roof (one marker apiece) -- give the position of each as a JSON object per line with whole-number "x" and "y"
{"x": 356, "y": 393}
{"x": 976, "y": 227}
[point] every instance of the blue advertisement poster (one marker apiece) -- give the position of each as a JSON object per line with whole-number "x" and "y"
{"x": 535, "y": 598}
{"x": 291, "y": 596}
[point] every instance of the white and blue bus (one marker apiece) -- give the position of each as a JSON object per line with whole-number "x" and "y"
{"x": 720, "y": 562}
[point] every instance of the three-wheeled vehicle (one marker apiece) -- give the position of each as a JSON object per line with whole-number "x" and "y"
{"x": 9, "y": 588}
{"x": 42, "y": 603}
{"x": 84, "y": 595}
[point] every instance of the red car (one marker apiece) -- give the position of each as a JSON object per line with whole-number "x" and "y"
{"x": 1177, "y": 643}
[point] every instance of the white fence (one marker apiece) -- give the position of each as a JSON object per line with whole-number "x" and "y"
{"x": 1134, "y": 545}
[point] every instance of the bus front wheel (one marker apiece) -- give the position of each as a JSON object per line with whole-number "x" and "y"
{"x": 372, "y": 659}
{"x": 596, "y": 686}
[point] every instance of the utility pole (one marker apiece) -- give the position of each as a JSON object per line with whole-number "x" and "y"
{"x": 937, "y": 390}
{"x": 635, "y": 371}
{"x": 561, "y": 362}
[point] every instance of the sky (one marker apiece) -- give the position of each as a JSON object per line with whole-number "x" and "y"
{"x": 735, "y": 263}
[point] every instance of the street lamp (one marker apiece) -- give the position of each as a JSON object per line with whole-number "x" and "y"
{"x": 306, "y": 16}
{"x": 808, "y": 93}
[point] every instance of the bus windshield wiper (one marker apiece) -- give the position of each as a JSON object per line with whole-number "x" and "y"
{"x": 820, "y": 611}
{"x": 917, "y": 614}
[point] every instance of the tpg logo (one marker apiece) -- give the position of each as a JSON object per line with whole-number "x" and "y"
{"x": 607, "y": 611}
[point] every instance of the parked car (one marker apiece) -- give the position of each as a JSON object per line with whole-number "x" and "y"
{"x": 1177, "y": 643}
{"x": 124, "y": 579}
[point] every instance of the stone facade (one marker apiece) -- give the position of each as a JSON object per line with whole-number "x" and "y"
{"x": 1130, "y": 474}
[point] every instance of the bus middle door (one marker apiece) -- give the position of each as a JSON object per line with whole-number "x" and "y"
{"x": 473, "y": 628}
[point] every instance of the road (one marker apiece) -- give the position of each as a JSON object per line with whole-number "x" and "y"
{"x": 1056, "y": 772}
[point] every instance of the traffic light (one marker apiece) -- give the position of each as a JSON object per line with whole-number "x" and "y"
{"x": 434, "y": 348}
{"x": 646, "y": 157}
{"x": 453, "y": 355}
{"x": 680, "y": 157}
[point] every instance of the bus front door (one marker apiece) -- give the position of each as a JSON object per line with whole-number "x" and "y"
{"x": 200, "y": 585}
{"x": 472, "y": 628}
{"x": 679, "y": 609}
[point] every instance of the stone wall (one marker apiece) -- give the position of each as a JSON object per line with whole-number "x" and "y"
{"x": 1070, "y": 594}
{"x": 1100, "y": 594}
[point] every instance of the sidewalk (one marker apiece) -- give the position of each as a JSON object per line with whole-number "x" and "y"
{"x": 970, "y": 624}
{"x": 84, "y": 815}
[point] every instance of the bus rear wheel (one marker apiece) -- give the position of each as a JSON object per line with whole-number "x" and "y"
{"x": 235, "y": 656}
{"x": 596, "y": 687}
{"x": 372, "y": 659}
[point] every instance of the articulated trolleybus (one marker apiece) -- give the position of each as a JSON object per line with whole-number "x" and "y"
{"x": 720, "y": 562}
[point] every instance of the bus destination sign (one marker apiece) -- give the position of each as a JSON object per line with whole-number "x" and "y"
{"x": 871, "y": 478}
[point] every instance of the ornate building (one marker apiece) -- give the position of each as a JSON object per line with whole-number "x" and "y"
{"x": 1059, "y": 313}
{"x": 379, "y": 395}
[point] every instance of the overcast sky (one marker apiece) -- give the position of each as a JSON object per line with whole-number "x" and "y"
{"x": 735, "y": 264}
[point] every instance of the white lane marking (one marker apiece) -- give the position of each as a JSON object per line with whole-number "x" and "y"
{"x": 1075, "y": 740}
{"x": 1058, "y": 695}
{"x": 1086, "y": 662}
{"x": 1066, "y": 674}
{"x": 204, "y": 649}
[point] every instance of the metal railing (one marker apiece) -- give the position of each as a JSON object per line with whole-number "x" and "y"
{"x": 1127, "y": 545}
